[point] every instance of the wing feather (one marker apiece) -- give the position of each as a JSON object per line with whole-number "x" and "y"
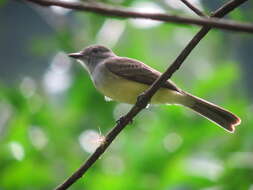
{"x": 136, "y": 71}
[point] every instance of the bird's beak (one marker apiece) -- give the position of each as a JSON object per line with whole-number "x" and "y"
{"x": 75, "y": 55}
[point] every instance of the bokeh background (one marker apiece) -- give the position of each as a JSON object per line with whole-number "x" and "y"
{"x": 52, "y": 118}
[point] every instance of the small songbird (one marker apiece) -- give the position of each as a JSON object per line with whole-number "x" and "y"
{"x": 122, "y": 79}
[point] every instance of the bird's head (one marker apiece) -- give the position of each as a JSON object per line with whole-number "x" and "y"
{"x": 92, "y": 55}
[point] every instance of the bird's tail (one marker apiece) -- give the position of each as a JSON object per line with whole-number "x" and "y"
{"x": 214, "y": 113}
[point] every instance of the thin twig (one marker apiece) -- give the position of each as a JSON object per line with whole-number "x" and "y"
{"x": 145, "y": 98}
{"x": 125, "y": 13}
{"x": 193, "y": 8}
{"x": 222, "y": 11}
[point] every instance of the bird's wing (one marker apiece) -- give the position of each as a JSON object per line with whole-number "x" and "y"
{"x": 136, "y": 71}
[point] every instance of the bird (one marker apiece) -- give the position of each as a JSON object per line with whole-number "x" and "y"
{"x": 123, "y": 79}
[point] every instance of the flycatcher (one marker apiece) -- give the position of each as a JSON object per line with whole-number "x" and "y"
{"x": 123, "y": 79}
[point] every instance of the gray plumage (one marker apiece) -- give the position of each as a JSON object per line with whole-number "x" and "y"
{"x": 123, "y": 79}
{"x": 137, "y": 71}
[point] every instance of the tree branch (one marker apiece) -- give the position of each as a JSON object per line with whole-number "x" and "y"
{"x": 145, "y": 98}
{"x": 222, "y": 11}
{"x": 125, "y": 13}
{"x": 193, "y": 8}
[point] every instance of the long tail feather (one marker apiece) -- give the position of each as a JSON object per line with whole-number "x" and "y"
{"x": 214, "y": 113}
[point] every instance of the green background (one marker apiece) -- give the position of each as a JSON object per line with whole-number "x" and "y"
{"x": 166, "y": 147}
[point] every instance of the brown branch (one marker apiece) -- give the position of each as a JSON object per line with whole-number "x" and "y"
{"x": 193, "y": 8}
{"x": 125, "y": 13}
{"x": 222, "y": 11}
{"x": 145, "y": 98}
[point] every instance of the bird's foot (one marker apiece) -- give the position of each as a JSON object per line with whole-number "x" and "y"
{"x": 141, "y": 101}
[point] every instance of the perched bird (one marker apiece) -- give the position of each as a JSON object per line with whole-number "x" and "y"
{"x": 123, "y": 79}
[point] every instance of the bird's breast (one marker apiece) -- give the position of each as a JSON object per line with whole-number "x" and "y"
{"x": 116, "y": 87}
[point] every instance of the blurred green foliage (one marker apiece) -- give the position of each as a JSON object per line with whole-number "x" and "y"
{"x": 166, "y": 147}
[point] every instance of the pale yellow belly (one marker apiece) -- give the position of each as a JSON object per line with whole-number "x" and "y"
{"x": 126, "y": 91}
